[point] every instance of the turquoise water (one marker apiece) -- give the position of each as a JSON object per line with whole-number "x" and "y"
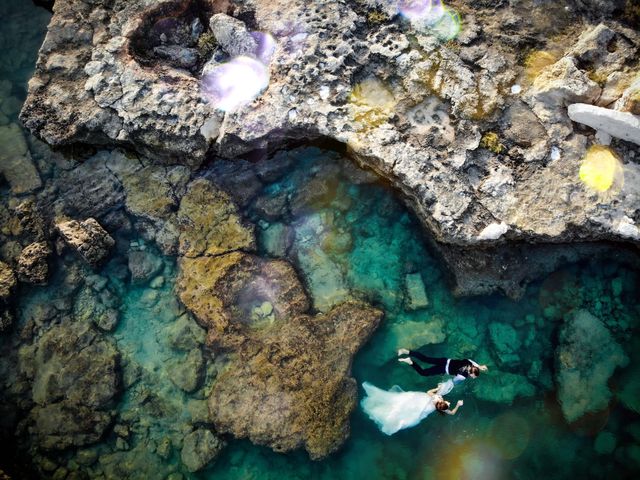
{"x": 511, "y": 425}
{"x": 350, "y": 236}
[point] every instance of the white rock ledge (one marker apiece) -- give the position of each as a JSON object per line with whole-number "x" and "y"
{"x": 493, "y": 231}
{"x": 621, "y": 125}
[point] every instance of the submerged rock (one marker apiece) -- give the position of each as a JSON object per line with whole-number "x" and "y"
{"x": 290, "y": 386}
{"x": 186, "y": 373}
{"x": 7, "y": 282}
{"x": 210, "y": 223}
{"x": 75, "y": 379}
{"x": 15, "y": 161}
{"x": 88, "y": 238}
{"x": 289, "y": 374}
{"x": 416, "y": 293}
{"x": 143, "y": 266}
{"x": 502, "y": 387}
{"x": 586, "y": 358}
{"x": 200, "y": 447}
{"x": 7, "y": 285}
{"x": 33, "y": 264}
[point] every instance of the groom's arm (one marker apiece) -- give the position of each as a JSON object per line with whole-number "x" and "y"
{"x": 484, "y": 368}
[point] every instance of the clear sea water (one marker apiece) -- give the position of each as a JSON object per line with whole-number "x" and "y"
{"x": 359, "y": 240}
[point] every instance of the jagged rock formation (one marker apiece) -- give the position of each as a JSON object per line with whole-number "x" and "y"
{"x": 290, "y": 369}
{"x": 88, "y": 238}
{"x": 415, "y": 112}
{"x": 32, "y": 263}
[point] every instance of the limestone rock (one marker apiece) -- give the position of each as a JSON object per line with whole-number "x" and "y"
{"x": 413, "y": 335}
{"x": 90, "y": 189}
{"x": 623, "y": 125}
{"x": 586, "y": 358}
{"x": 200, "y": 447}
{"x": 630, "y": 99}
{"x": 210, "y": 223}
{"x": 210, "y": 286}
{"x": 88, "y": 238}
{"x": 7, "y": 285}
{"x": 558, "y": 86}
{"x": 421, "y": 108}
{"x": 180, "y": 56}
{"x": 232, "y": 35}
{"x": 32, "y": 264}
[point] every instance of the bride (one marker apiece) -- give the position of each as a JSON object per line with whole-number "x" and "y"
{"x": 395, "y": 409}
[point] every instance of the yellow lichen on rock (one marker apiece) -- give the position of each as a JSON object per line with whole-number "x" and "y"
{"x": 491, "y": 142}
{"x": 371, "y": 104}
{"x": 537, "y": 61}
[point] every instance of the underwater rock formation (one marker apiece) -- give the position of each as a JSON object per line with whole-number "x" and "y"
{"x": 74, "y": 378}
{"x": 88, "y": 238}
{"x": 199, "y": 448}
{"x": 290, "y": 370}
{"x": 209, "y": 222}
{"x": 32, "y": 263}
{"x": 586, "y": 358}
{"x": 289, "y": 385}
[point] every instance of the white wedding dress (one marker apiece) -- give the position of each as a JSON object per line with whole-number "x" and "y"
{"x": 395, "y": 409}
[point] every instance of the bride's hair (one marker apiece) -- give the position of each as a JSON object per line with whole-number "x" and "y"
{"x": 441, "y": 406}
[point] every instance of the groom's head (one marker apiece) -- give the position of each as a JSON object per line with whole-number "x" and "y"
{"x": 474, "y": 372}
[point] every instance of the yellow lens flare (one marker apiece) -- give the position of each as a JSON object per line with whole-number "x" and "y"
{"x": 601, "y": 169}
{"x": 371, "y": 104}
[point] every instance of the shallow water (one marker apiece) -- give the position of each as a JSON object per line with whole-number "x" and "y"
{"x": 487, "y": 439}
{"x": 357, "y": 239}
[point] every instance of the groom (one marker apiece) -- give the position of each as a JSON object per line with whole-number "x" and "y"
{"x": 460, "y": 369}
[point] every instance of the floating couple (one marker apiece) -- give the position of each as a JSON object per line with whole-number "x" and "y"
{"x": 395, "y": 409}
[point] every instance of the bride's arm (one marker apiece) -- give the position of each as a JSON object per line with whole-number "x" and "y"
{"x": 433, "y": 391}
{"x": 455, "y": 409}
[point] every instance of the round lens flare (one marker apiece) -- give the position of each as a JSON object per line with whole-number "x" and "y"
{"x": 601, "y": 169}
{"x": 449, "y": 25}
{"x": 236, "y": 83}
{"x": 509, "y": 434}
{"x": 432, "y": 15}
{"x": 416, "y": 9}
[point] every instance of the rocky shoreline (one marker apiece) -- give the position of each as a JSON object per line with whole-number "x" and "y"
{"x": 148, "y": 177}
